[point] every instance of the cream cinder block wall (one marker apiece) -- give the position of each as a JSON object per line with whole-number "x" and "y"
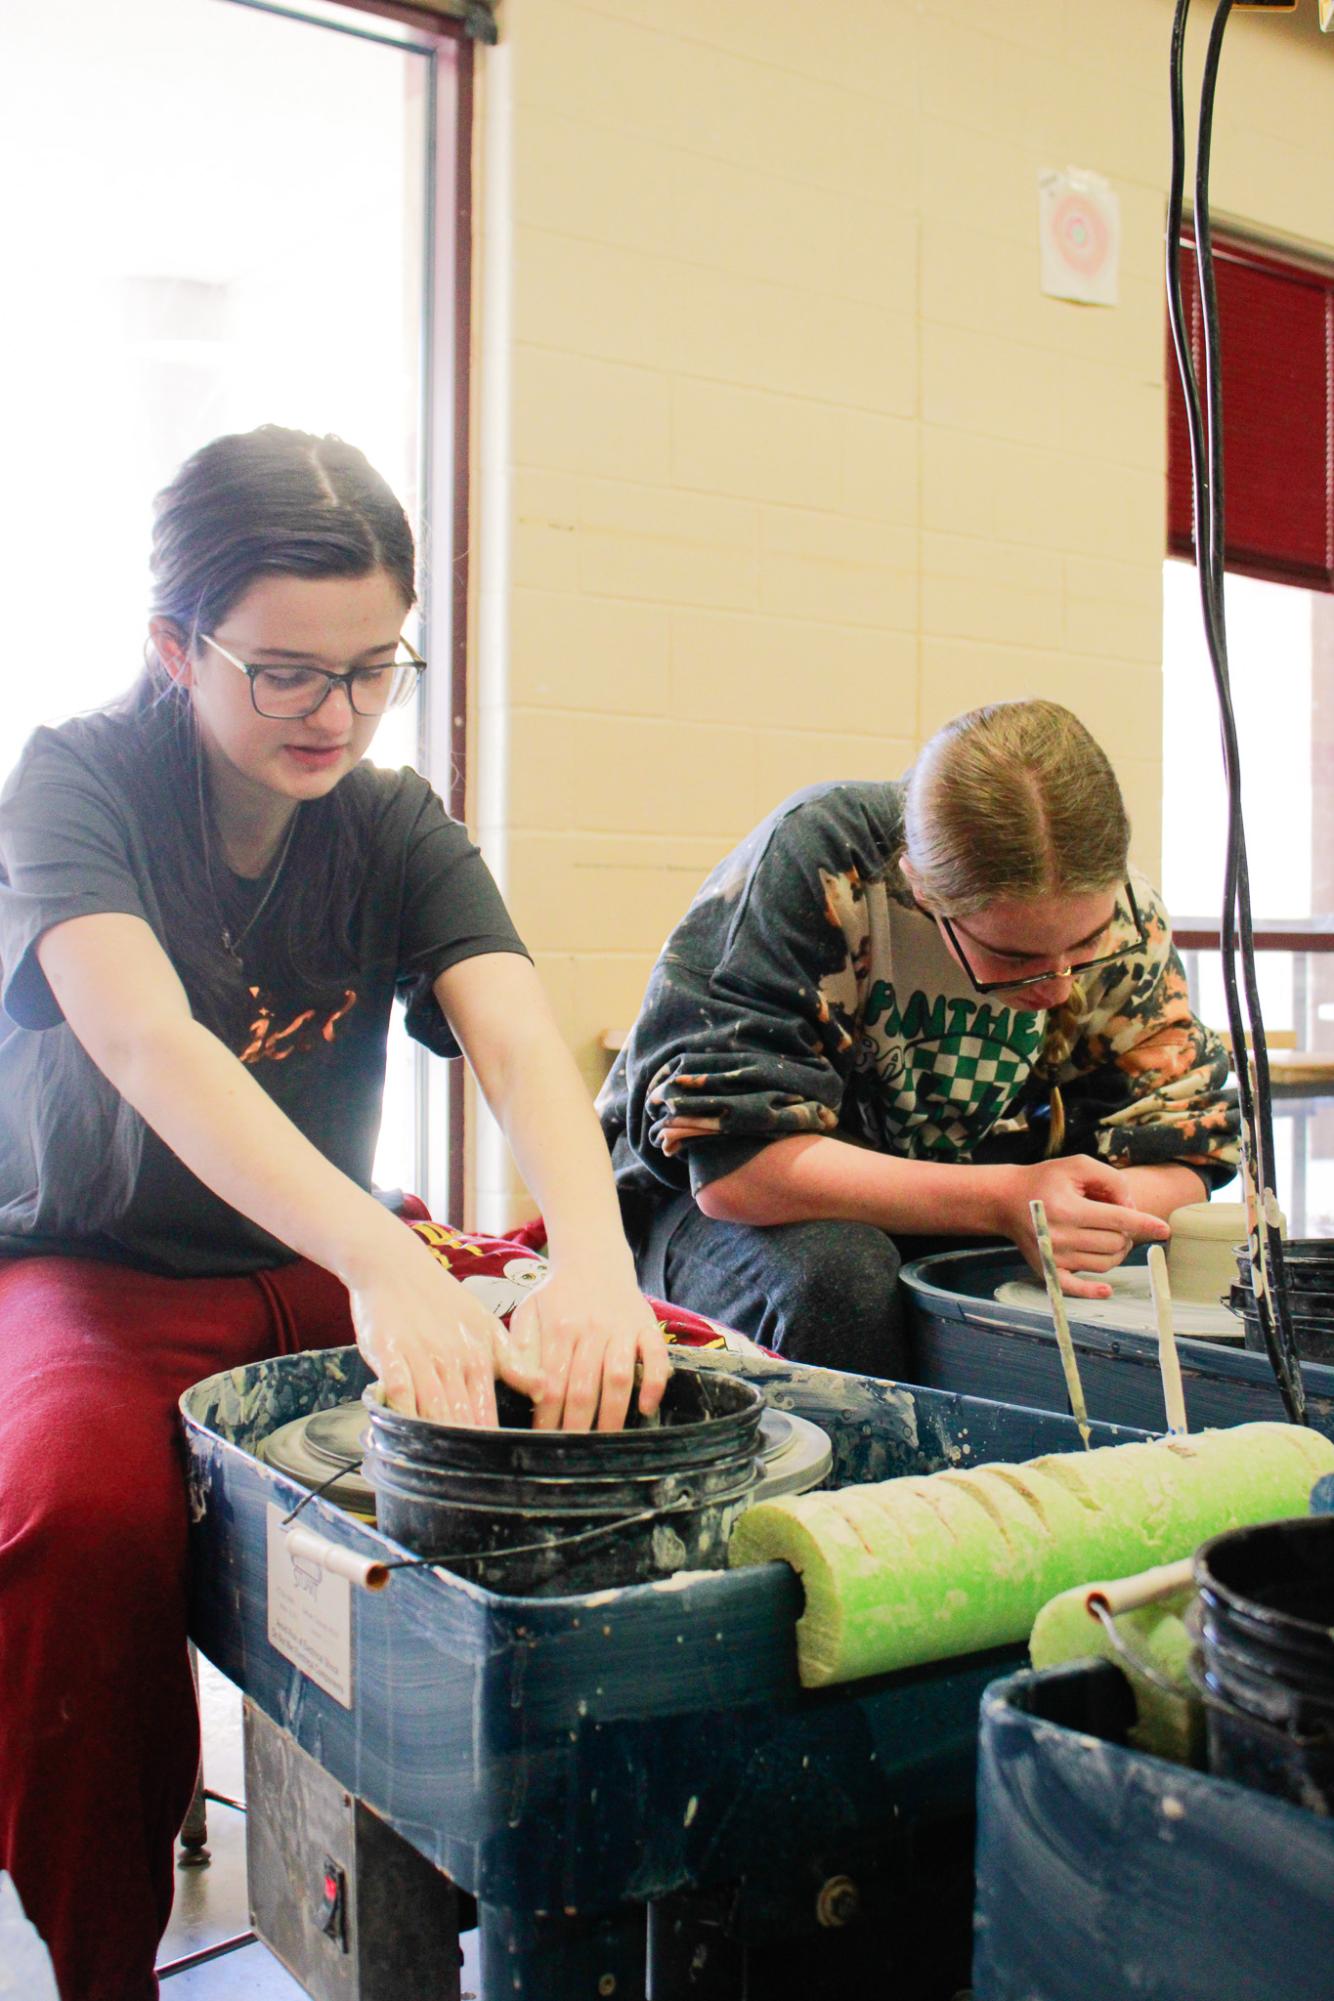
{"x": 784, "y": 457}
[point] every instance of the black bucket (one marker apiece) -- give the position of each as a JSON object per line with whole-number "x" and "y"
{"x": 541, "y": 1512}
{"x": 1265, "y": 1661}
{"x": 1311, "y": 1314}
{"x": 1308, "y": 1265}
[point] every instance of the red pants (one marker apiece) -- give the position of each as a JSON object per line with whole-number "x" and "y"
{"x": 98, "y": 1732}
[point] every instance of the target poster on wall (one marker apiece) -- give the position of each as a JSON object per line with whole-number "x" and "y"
{"x": 1079, "y": 228}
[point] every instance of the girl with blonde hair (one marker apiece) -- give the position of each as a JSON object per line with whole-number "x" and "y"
{"x": 896, "y": 1013}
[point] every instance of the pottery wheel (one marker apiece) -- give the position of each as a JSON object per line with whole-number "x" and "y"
{"x": 312, "y": 1448}
{"x": 797, "y": 1455}
{"x": 1130, "y": 1308}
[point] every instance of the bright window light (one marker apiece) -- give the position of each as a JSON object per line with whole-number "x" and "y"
{"x": 216, "y": 221}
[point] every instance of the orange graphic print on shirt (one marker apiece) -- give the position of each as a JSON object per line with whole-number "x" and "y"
{"x": 273, "y": 1040}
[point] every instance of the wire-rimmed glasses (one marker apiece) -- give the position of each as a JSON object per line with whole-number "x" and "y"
{"x": 287, "y": 694}
{"x": 1127, "y": 944}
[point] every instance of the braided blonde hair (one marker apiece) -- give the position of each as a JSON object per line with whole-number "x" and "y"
{"x": 1016, "y": 801}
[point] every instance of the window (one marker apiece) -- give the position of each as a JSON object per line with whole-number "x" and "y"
{"x": 1277, "y": 336}
{"x": 232, "y": 214}
{"x": 1270, "y": 643}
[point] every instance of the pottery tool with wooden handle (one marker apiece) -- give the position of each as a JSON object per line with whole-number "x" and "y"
{"x": 1056, "y": 1297}
{"x": 1169, "y": 1362}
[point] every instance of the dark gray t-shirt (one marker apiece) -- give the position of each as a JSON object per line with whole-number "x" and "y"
{"x": 80, "y": 1172}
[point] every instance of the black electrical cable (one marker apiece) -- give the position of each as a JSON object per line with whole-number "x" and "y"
{"x": 1272, "y": 1295}
{"x": 1211, "y": 562}
{"x": 1235, "y": 928}
{"x": 1237, "y": 895}
{"x": 1202, "y": 503}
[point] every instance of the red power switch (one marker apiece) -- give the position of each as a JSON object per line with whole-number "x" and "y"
{"x": 331, "y": 1902}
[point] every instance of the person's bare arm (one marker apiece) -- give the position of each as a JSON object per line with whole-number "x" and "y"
{"x": 435, "y": 1347}
{"x": 592, "y": 1322}
{"x": 808, "y": 1177}
{"x": 1161, "y": 1189}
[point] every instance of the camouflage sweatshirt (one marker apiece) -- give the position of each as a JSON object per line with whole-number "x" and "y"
{"x": 805, "y": 992}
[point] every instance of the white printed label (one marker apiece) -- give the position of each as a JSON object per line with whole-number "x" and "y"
{"x": 310, "y": 1613}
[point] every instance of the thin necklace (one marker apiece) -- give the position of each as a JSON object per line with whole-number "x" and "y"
{"x": 232, "y": 943}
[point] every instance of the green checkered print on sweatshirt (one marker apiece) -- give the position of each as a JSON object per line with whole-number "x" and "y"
{"x": 954, "y": 1090}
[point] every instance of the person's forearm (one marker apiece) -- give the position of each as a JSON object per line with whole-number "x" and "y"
{"x": 1161, "y": 1189}
{"x": 544, "y": 1109}
{"x": 811, "y": 1178}
{"x": 210, "y": 1111}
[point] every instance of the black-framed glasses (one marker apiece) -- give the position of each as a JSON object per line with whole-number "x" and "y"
{"x": 286, "y": 694}
{"x": 1128, "y": 944}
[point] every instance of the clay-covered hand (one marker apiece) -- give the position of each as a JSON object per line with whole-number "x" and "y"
{"x": 590, "y": 1330}
{"x": 433, "y": 1345}
{"x": 1091, "y": 1216}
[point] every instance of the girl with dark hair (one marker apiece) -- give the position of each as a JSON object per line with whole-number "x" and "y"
{"x": 208, "y": 902}
{"x": 897, "y": 1013}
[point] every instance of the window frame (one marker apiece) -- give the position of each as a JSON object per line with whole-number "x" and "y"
{"x": 439, "y": 1095}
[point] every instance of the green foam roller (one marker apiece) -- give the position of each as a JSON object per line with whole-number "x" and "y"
{"x": 1171, "y": 1726}
{"x": 924, "y": 1568}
